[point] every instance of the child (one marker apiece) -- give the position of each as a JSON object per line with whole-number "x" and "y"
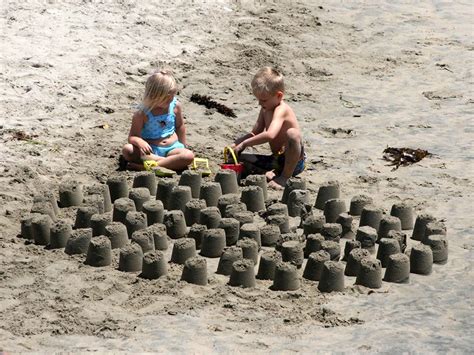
{"x": 277, "y": 125}
{"x": 158, "y": 132}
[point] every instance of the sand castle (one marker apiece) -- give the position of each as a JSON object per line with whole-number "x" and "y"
{"x": 241, "y": 228}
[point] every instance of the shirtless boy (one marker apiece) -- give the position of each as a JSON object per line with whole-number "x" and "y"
{"x": 277, "y": 125}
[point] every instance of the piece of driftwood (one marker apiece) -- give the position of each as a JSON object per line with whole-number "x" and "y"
{"x": 208, "y": 102}
{"x": 404, "y": 156}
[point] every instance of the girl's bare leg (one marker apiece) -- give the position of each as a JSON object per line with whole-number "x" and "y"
{"x": 177, "y": 159}
{"x": 131, "y": 153}
{"x": 135, "y": 159}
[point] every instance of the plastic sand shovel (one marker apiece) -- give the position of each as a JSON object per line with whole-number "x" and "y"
{"x": 201, "y": 165}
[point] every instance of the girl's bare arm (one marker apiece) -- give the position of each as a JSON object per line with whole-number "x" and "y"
{"x": 134, "y": 137}
{"x": 179, "y": 124}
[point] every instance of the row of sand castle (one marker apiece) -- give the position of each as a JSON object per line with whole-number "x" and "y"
{"x": 218, "y": 218}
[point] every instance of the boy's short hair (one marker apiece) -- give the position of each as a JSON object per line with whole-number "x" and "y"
{"x": 268, "y": 80}
{"x": 158, "y": 87}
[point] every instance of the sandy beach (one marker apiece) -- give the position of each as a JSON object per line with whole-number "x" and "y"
{"x": 360, "y": 76}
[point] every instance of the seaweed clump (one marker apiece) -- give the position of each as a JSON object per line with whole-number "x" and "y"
{"x": 404, "y": 156}
{"x": 22, "y": 136}
{"x": 208, "y": 102}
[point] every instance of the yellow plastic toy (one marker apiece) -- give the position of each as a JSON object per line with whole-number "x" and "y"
{"x": 152, "y": 165}
{"x": 201, "y": 165}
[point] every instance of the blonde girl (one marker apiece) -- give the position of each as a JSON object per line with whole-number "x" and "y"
{"x": 158, "y": 132}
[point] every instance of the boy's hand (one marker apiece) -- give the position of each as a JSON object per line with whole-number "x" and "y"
{"x": 239, "y": 148}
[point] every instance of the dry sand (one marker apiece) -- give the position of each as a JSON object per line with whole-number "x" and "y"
{"x": 360, "y": 76}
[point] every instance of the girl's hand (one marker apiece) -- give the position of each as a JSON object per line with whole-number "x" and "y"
{"x": 144, "y": 147}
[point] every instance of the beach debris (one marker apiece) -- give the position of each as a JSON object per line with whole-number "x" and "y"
{"x": 25, "y": 137}
{"x": 41, "y": 65}
{"x": 104, "y": 109}
{"x": 347, "y": 103}
{"x": 440, "y": 95}
{"x": 209, "y": 103}
{"x": 337, "y": 132}
{"x": 22, "y": 136}
{"x": 444, "y": 66}
{"x": 404, "y": 156}
{"x": 103, "y": 126}
{"x": 419, "y": 126}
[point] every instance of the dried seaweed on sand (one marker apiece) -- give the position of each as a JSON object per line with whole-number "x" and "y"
{"x": 19, "y": 135}
{"x": 22, "y": 136}
{"x": 208, "y": 102}
{"x": 404, "y": 156}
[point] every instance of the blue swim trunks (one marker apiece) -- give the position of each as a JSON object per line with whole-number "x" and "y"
{"x": 163, "y": 151}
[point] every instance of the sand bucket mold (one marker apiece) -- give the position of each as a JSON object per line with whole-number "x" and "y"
{"x": 231, "y": 162}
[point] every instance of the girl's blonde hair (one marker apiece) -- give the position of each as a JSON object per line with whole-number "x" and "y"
{"x": 159, "y": 86}
{"x": 268, "y": 80}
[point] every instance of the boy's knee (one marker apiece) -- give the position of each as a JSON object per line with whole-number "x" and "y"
{"x": 293, "y": 135}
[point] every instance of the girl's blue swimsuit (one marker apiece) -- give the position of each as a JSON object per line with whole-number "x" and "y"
{"x": 161, "y": 126}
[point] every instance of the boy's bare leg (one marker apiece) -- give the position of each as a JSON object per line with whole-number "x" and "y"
{"x": 292, "y": 156}
{"x": 177, "y": 159}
